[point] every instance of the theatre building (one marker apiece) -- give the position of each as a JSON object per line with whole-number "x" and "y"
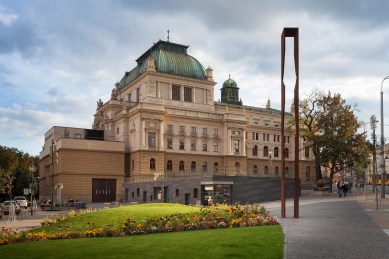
{"x": 163, "y": 138}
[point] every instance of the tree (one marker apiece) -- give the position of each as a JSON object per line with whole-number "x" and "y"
{"x": 330, "y": 126}
{"x": 16, "y": 163}
{"x": 6, "y": 182}
{"x": 309, "y": 114}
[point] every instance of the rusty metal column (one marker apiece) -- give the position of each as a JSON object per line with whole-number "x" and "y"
{"x": 282, "y": 125}
{"x": 290, "y": 32}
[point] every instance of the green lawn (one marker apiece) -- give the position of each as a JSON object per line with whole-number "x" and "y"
{"x": 117, "y": 216}
{"x": 248, "y": 242}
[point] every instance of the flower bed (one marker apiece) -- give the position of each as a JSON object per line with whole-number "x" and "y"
{"x": 216, "y": 216}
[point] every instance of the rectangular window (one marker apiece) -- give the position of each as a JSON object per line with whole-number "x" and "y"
{"x": 204, "y": 145}
{"x": 235, "y": 145}
{"x": 193, "y": 129}
{"x": 256, "y": 136}
{"x": 264, "y": 136}
{"x": 267, "y": 137}
{"x": 177, "y": 192}
{"x": 288, "y": 139}
{"x": 77, "y": 136}
{"x": 182, "y": 141}
{"x": 193, "y": 145}
{"x": 215, "y": 147}
{"x": 274, "y": 139}
{"x": 169, "y": 143}
{"x": 137, "y": 192}
{"x": 133, "y": 165}
{"x": 151, "y": 139}
{"x": 306, "y": 151}
{"x": 278, "y": 138}
{"x": 216, "y": 132}
{"x": 132, "y": 194}
{"x": 253, "y": 136}
{"x": 117, "y": 130}
{"x": 175, "y": 92}
{"x": 182, "y": 128}
{"x": 170, "y": 127}
{"x": 187, "y": 94}
{"x": 204, "y": 130}
{"x": 195, "y": 193}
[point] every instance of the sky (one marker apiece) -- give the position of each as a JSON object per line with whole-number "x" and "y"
{"x": 57, "y": 58}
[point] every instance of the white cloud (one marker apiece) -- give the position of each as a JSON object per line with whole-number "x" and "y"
{"x": 7, "y": 16}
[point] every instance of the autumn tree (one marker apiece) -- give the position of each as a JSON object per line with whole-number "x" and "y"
{"x": 331, "y": 128}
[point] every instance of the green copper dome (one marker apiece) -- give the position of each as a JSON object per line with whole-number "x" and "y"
{"x": 170, "y": 58}
{"x": 230, "y": 83}
{"x": 230, "y": 92}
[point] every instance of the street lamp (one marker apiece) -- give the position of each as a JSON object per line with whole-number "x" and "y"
{"x": 373, "y": 125}
{"x": 382, "y": 143}
{"x": 54, "y": 160}
{"x": 32, "y": 170}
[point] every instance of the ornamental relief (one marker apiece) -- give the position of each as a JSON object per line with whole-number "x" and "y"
{"x": 152, "y": 125}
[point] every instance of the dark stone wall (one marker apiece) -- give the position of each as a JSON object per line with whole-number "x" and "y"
{"x": 244, "y": 189}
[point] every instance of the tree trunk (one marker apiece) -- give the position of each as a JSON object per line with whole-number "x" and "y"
{"x": 318, "y": 172}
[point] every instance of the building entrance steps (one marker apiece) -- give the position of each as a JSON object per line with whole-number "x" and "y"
{"x": 332, "y": 227}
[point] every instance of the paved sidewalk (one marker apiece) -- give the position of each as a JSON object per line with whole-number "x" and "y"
{"x": 332, "y": 227}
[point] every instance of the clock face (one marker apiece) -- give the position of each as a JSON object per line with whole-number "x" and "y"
{"x": 151, "y": 125}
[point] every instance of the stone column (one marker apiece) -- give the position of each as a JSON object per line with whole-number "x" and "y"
{"x": 143, "y": 133}
{"x": 181, "y": 93}
{"x": 244, "y": 143}
{"x": 194, "y": 94}
{"x": 205, "y": 96}
{"x": 170, "y": 91}
{"x": 158, "y": 86}
{"x": 161, "y": 140}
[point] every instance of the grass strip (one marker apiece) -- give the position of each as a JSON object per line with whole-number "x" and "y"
{"x": 247, "y": 242}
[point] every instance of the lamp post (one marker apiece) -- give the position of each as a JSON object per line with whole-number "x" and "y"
{"x": 54, "y": 160}
{"x": 32, "y": 170}
{"x": 373, "y": 125}
{"x": 382, "y": 143}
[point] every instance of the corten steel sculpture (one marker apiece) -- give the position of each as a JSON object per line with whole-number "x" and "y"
{"x": 290, "y": 32}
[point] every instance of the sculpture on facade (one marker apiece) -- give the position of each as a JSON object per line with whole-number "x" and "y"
{"x": 99, "y": 104}
{"x": 66, "y": 133}
{"x": 268, "y": 104}
{"x": 114, "y": 94}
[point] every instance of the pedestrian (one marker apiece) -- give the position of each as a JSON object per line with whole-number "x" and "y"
{"x": 349, "y": 185}
{"x": 339, "y": 189}
{"x": 345, "y": 189}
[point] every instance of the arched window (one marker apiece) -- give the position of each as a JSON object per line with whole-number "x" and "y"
{"x": 152, "y": 163}
{"x": 255, "y": 170}
{"x": 265, "y": 151}
{"x": 181, "y": 165}
{"x": 255, "y": 150}
{"x": 215, "y": 168}
{"x": 266, "y": 170}
{"x": 193, "y": 166}
{"x": 169, "y": 165}
{"x": 276, "y": 171}
{"x": 308, "y": 173}
{"x": 286, "y": 152}
{"x": 237, "y": 168}
{"x": 205, "y": 167}
{"x": 276, "y": 152}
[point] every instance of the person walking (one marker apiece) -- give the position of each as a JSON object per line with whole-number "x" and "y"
{"x": 339, "y": 189}
{"x": 345, "y": 190}
{"x": 349, "y": 185}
